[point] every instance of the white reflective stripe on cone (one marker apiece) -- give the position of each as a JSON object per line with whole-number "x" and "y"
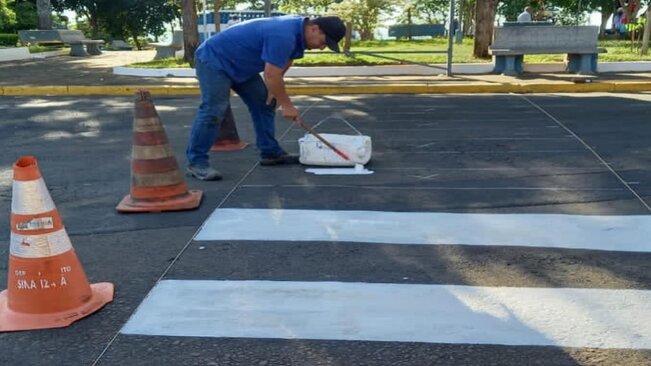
{"x": 38, "y": 246}
{"x": 30, "y": 197}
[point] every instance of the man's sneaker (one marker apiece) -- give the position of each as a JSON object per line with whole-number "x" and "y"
{"x": 203, "y": 173}
{"x": 279, "y": 160}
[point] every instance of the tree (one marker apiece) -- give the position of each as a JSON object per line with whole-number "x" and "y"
{"x": 90, "y": 9}
{"x": 432, "y": 11}
{"x": 26, "y": 17}
{"x": 218, "y": 5}
{"x": 44, "y": 10}
{"x": 362, "y": 14}
{"x": 7, "y": 17}
{"x": 138, "y": 18}
{"x": 484, "y": 23}
{"x": 190, "y": 30}
{"x": 306, "y": 7}
{"x": 647, "y": 32}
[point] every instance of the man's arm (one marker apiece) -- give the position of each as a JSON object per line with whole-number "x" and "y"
{"x": 273, "y": 76}
{"x": 289, "y": 64}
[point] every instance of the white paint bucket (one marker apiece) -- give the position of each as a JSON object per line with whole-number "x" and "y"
{"x": 314, "y": 152}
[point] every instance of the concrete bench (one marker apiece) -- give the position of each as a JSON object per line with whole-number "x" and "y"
{"x": 120, "y": 45}
{"x": 166, "y": 50}
{"x": 77, "y": 41}
{"x": 40, "y": 37}
{"x": 511, "y": 43}
{"x": 79, "y": 44}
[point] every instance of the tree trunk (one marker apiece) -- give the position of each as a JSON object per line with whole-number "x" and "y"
{"x": 44, "y": 11}
{"x": 349, "y": 35}
{"x": 218, "y": 19}
{"x": 190, "y": 31}
{"x": 366, "y": 35}
{"x": 94, "y": 26}
{"x": 469, "y": 20}
{"x": 484, "y": 19}
{"x": 605, "y": 16}
{"x": 647, "y": 33}
{"x": 134, "y": 35}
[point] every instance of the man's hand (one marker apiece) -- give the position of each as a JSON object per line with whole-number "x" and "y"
{"x": 290, "y": 112}
{"x": 271, "y": 100}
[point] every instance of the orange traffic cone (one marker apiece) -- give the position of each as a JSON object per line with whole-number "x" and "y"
{"x": 47, "y": 286}
{"x": 156, "y": 182}
{"x": 227, "y": 138}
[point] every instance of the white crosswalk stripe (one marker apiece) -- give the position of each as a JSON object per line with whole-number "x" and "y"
{"x": 564, "y": 317}
{"x": 591, "y": 318}
{"x": 621, "y": 233}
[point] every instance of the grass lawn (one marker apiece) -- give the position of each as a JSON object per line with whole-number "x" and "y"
{"x": 40, "y": 49}
{"x": 617, "y": 51}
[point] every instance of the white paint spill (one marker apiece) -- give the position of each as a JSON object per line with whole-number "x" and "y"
{"x": 357, "y": 170}
{"x": 562, "y": 317}
{"x": 616, "y": 233}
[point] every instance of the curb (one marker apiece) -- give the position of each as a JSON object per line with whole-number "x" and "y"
{"x": 396, "y": 70}
{"x": 475, "y": 88}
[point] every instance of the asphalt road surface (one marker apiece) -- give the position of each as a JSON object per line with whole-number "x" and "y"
{"x": 543, "y": 199}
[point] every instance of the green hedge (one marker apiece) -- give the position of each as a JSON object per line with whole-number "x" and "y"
{"x": 8, "y": 39}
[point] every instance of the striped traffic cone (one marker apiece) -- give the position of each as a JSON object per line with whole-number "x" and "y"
{"x": 156, "y": 181}
{"x": 227, "y": 138}
{"x": 47, "y": 286}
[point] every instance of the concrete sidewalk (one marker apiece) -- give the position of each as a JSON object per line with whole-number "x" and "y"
{"x": 65, "y": 75}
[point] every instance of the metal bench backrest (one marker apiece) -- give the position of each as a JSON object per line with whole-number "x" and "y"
{"x": 545, "y": 37}
{"x": 38, "y": 36}
{"x": 71, "y": 36}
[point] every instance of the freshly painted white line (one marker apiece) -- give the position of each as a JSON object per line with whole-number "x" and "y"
{"x": 619, "y": 233}
{"x": 339, "y": 171}
{"x": 595, "y": 318}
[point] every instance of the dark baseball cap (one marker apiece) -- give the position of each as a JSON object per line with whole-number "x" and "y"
{"x": 334, "y": 29}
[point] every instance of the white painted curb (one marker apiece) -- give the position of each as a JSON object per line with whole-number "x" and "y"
{"x": 462, "y": 69}
{"x": 624, "y": 66}
{"x": 14, "y": 53}
{"x": 22, "y": 53}
{"x": 326, "y": 70}
{"x": 154, "y": 73}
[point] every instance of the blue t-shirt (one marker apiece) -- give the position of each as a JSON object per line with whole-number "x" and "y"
{"x": 243, "y": 49}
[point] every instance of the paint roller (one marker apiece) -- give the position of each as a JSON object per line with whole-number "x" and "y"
{"x": 325, "y": 142}
{"x": 309, "y": 129}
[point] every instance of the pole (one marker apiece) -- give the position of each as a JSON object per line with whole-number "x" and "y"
{"x": 450, "y": 38}
{"x": 267, "y": 8}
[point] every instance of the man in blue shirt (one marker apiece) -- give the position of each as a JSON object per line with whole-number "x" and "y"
{"x": 234, "y": 59}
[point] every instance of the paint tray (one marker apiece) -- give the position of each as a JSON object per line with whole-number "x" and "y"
{"x": 314, "y": 152}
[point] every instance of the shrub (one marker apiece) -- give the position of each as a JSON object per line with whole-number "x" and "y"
{"x": 8, "y": 39}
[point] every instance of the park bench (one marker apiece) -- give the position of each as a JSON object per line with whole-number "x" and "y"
{"x": 511, "y": 43}
{"x": 166, "y": 50}
{"x": 77, "y": 41}
{"x": 40, "y": 37}
{"x": 120, "y": 45}
{"x": 74, "y": 38}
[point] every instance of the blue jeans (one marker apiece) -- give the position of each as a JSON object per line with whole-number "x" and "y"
{"x": 215, "y": 98}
